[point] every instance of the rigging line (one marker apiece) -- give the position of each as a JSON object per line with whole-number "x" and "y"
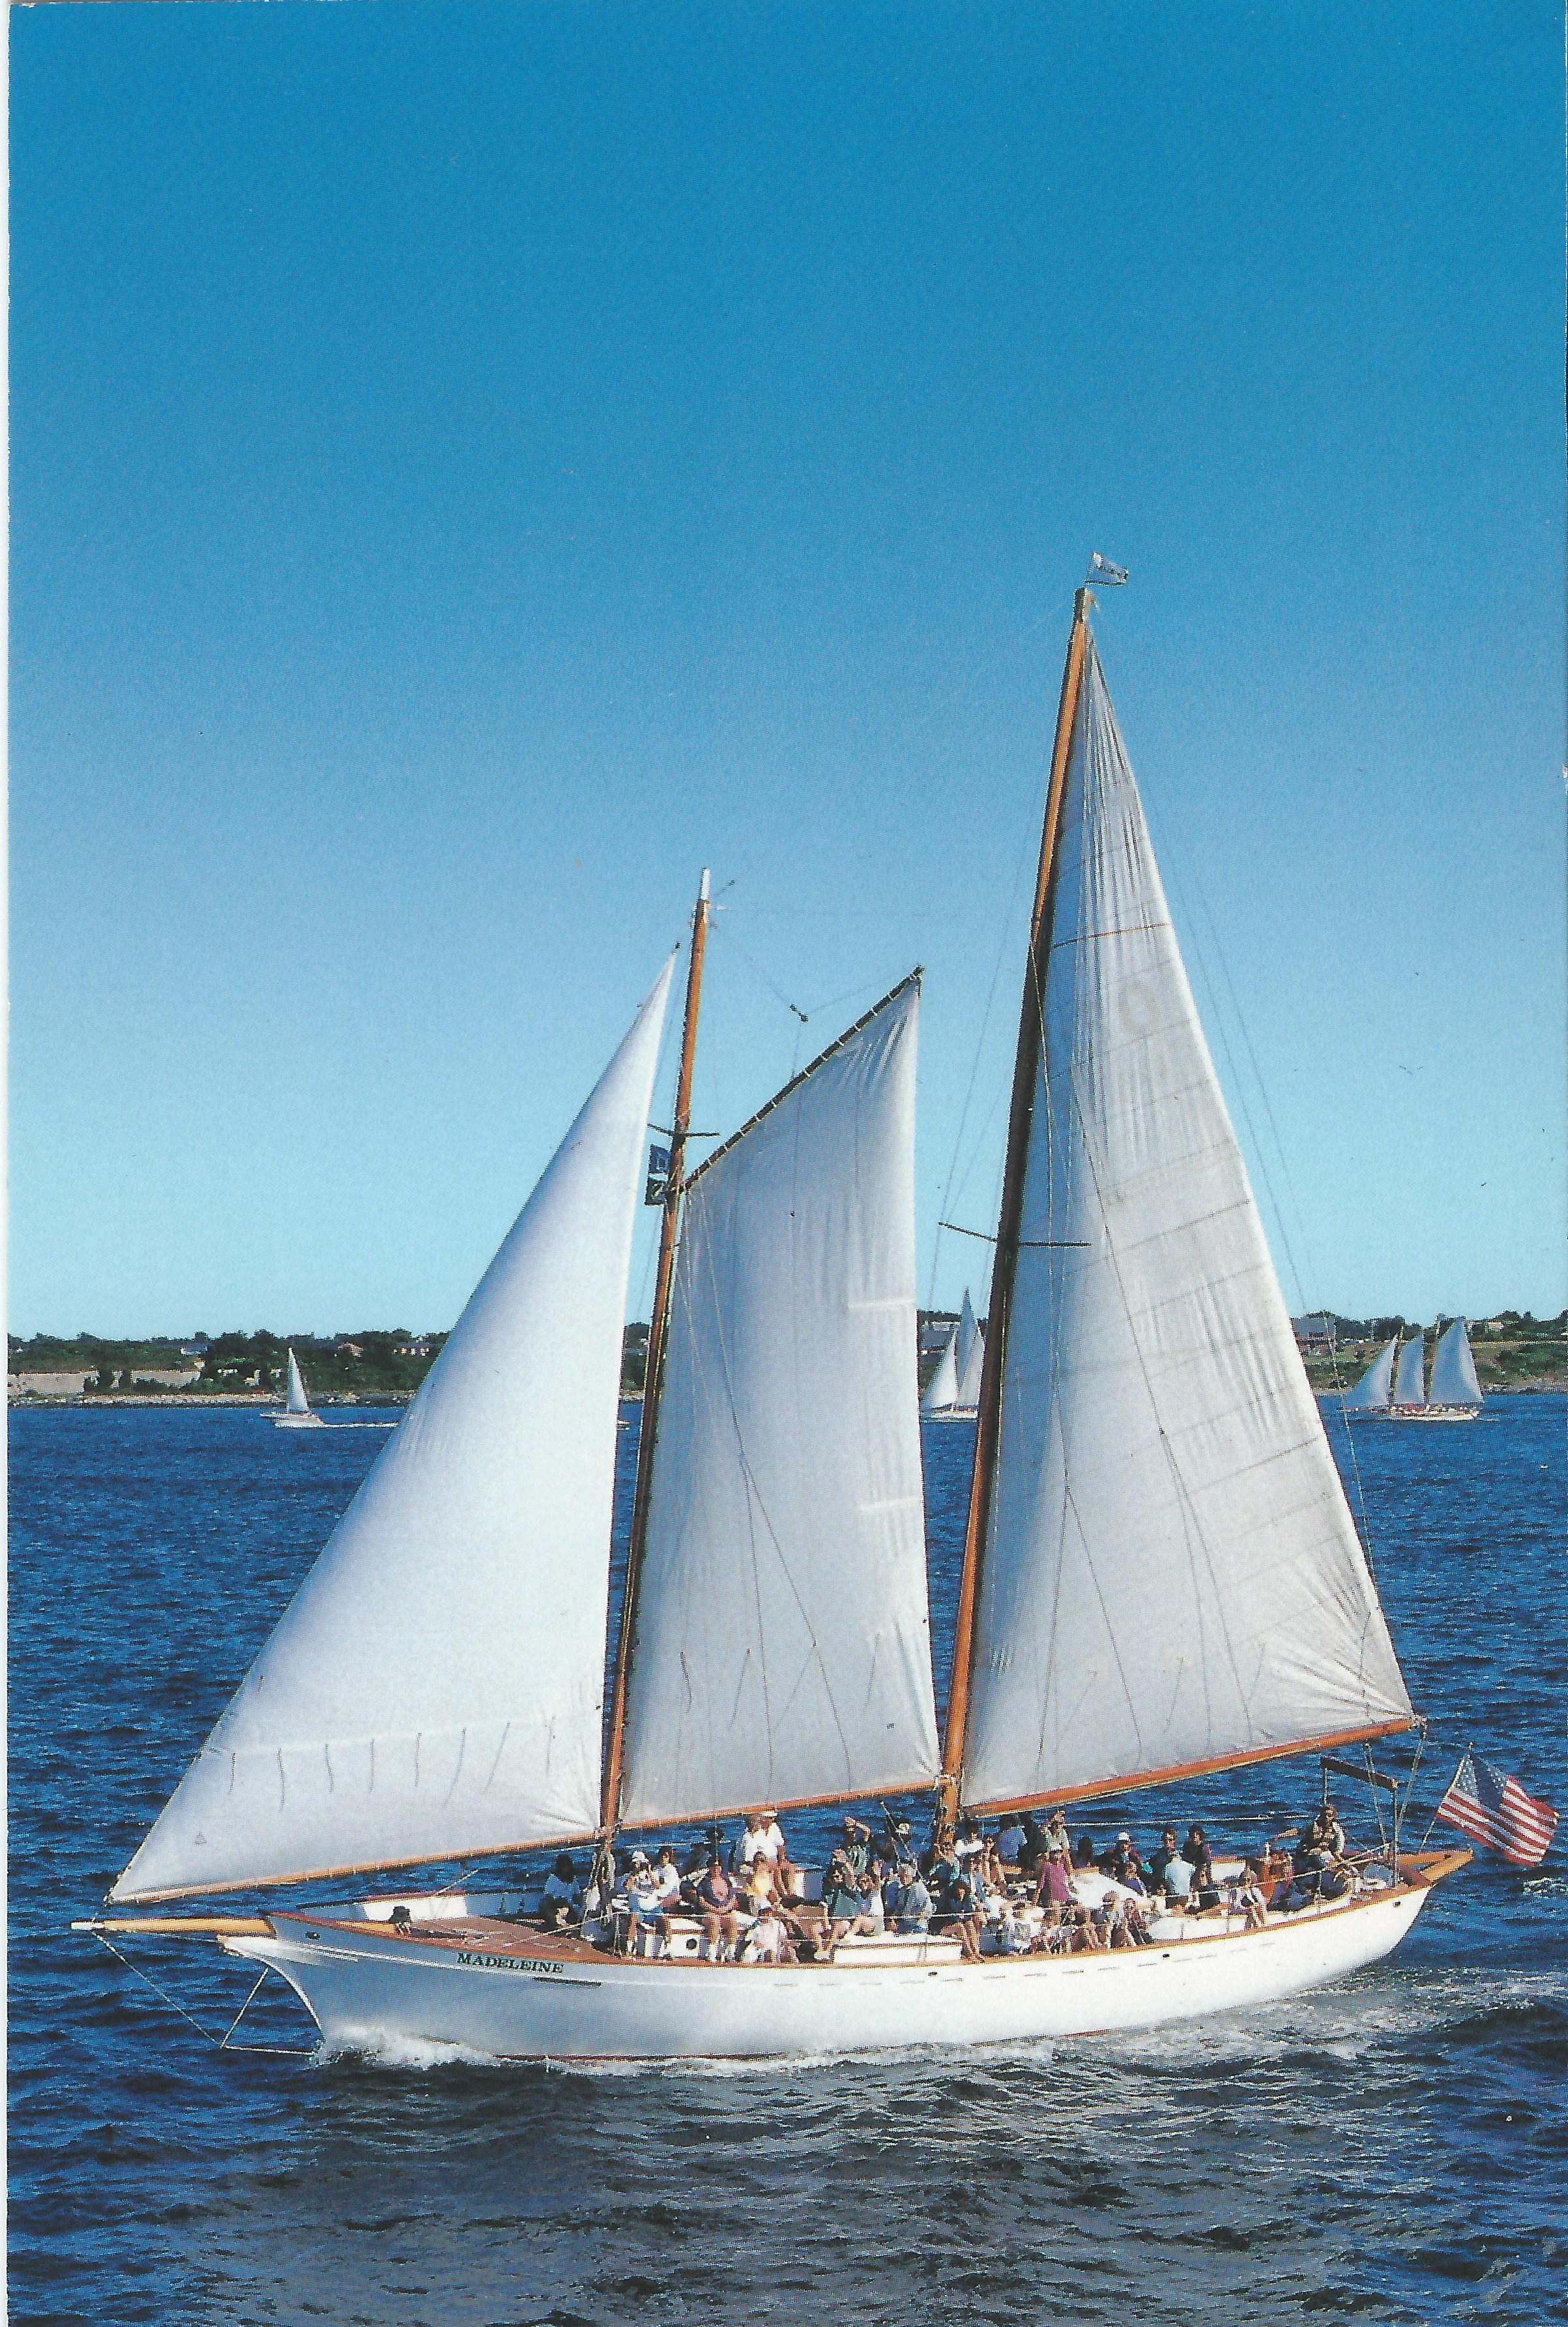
{"x": 1021, "y": 866}
{"x": 758, "y": 971}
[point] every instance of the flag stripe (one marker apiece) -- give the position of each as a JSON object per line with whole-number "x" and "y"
{"x": 1498, "y": 1813}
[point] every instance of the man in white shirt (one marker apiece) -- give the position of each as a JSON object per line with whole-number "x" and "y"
{"x": 764, "y": 1838}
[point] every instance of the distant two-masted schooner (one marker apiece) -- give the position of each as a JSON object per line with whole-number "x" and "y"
{"x": 1392, "y": 1389}
{"x": 1161, "y": 1573}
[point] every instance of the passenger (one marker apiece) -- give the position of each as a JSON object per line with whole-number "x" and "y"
{"x": 871, "y": 1921}
{"x": 1317, "y": 1863}
{"x": 1084, "y": 1855}
{"x": 1167, "y": 1850}
{"x": 563, "y": 1898}
{"x": 667, "y": 1874}
{"x": 718, "y": 1903}
{"x": 914, "y": 1913}
{"x": 1010, "y": 1841}
{"x": 960, "y": 1915}
{"x": 1127, "y": 1867}
{"x": 644, "y": 1903}
{"x": 841, "y": 1899}
{"x": 1015, "y": 1935}
{"x": 896, "y": 1844}
{"x": 1085, "y": 1936}
{"x": 1249, "y": 1897}
{"x": 969, "y": 1843}
{"x": 1031, "y": 1850}
{"x": 989, "y": 1877}
{"x": 1176, "y": 1880}
{"x": 1053, "y": 1890}
{"x": 1057, "y": 1825}
{"x": 768, "y": 1940}
{"x": 1195, "y": 1850}
{"x": 764, "y": 1838}
{"x": 697, "y": 1861}
{"x": 855, "y": 1845}
{"x": 760, "y": 1883}
{"x": 940, "y": 1867}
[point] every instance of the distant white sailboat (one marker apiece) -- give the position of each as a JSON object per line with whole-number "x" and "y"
{"x": 941, "y": 1396}
{"x": 971, "y": 1358}
{"x": 296, "y": 1413}
{"x": 1146, "y": 1442}
{"x": 953, "y": 1392}
{"x": 1391, "y": 1392}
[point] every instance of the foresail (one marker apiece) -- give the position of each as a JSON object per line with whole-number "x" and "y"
{"x": 436, "y": 1688}
{"x": 782, "y": 1647}
{"x": 971, "y": 1358}
{"x": 1408, "y": 1387}
{"x": 1454, "y": 1382}
{"x": 942, "y": 1389}
{"x": 1370, "y": 1394}
{"x": 1170, "y": 1578}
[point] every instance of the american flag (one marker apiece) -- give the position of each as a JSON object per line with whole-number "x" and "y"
{"x": 1499, "y": 1812}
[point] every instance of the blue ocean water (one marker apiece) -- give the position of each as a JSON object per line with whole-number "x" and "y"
{"x": 1395, "y": 2149}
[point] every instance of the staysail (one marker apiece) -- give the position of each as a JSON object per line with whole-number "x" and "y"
{"x": 971, "y": 1356}
{"x": 1408, "y": 1388}
{"x": 1370, "y": 1394}
{"x": 298, "y": 1402}
{"x": 1453, "y": 1369}
{"x": 942, "y": 1391}
{"x": 437, "y": 1685}
{"x": 1171, "y": 1580}
{"x": 781, "y": 1648}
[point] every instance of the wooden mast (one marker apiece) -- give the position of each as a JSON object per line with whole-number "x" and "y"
{"x": 653, "y": 1375}
{"x": 1025, "y": 1074}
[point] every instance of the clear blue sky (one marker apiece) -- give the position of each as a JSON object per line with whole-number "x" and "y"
{"x": 475, "y": 464}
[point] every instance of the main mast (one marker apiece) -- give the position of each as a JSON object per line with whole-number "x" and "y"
{"x": 653, "y": 1373}
{"x": 1025, "y": 1076}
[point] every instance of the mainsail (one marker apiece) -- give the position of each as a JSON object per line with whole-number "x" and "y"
{"x": 298, "y": 1402}
{"x": 971, "y": 1357}
{"x": 942, "y": 1391}
{"x": 781, "y": 1646}
{"x": 1370, "y": 1394}
{"x": 1453, "y": 1369}
{"x": 1170, "y": 1579}
{"x": 1408, "y": 1389}
{"x": 437, "y": 1685}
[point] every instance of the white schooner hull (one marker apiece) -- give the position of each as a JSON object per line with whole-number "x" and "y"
{"x": 364, "y": 1990}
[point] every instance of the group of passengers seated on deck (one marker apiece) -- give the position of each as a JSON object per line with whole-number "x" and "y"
{"x": 1027, "y": 1889}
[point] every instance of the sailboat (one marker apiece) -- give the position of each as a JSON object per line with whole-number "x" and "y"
{"x": 1147, "y": 1447}
{"x": 296, "y": 1413}
{"x": 953, "y": 1392}
{"x": 1393, "y": 1388}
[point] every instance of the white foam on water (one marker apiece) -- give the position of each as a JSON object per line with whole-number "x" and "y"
{"x": 386, "y": 2048}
